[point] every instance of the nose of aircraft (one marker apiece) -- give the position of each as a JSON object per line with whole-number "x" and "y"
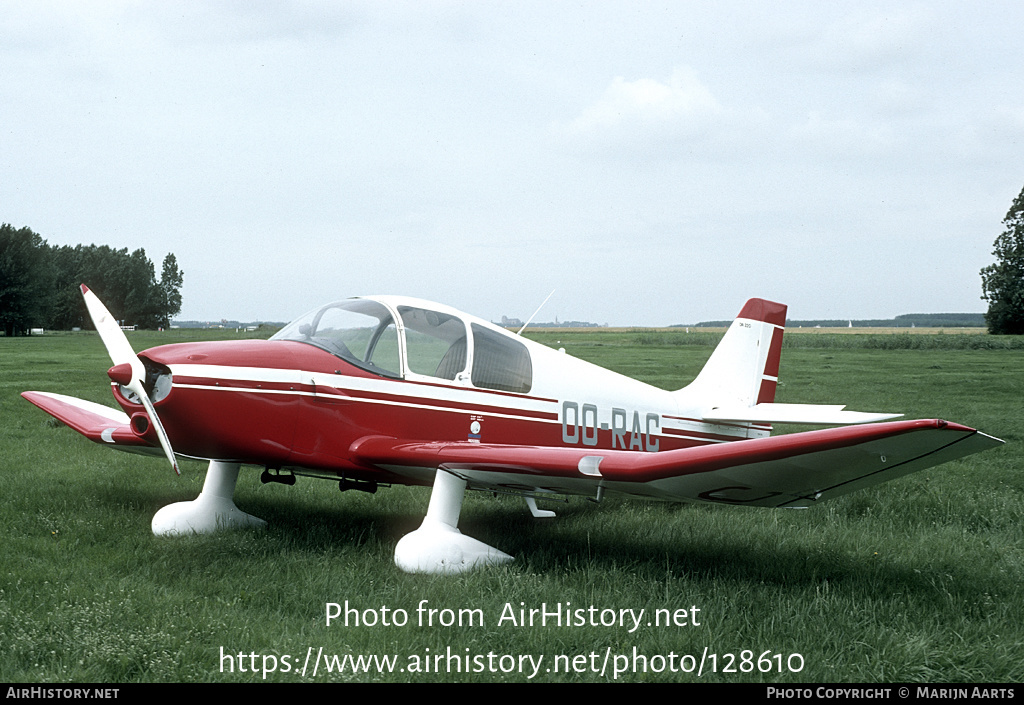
{"x": 122, "y": 355}
{"x": 235, "y": 400}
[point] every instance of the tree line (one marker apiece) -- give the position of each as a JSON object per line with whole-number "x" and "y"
{"x": 904, "y": 320}
{"x": 39, "y": 284}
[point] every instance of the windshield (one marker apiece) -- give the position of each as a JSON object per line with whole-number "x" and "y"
{"x": 359, "y": 331}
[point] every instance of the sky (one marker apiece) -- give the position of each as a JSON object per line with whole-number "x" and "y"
{"x": 652, "y": 163}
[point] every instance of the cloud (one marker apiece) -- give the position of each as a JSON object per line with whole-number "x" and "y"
{"x": 682, "y": 101}
{"x": 647, "y": 112}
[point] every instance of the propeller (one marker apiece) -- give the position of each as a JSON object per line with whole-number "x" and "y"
{"x": 128, "y": 369}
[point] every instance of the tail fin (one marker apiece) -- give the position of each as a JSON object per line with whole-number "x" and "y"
{"x": 744, "y": 368}
{"x": 738, "y": 382}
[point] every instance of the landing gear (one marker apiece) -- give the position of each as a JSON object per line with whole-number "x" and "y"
{"x": 438, "y": 546}
{"x": 536, "y": 512}
{"x": 213, "y": 509}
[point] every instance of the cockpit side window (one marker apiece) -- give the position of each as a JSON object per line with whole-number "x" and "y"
{"x": 435, "y": 343}
{"x": 500, "y": 362}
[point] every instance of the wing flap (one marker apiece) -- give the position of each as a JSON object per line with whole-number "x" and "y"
{"x": 790, "y": 470}
{"x": 794, "y": 413}
{"x": 100, "y": 424}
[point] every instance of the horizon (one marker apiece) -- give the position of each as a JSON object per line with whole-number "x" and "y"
{"x": 553, "y": 324}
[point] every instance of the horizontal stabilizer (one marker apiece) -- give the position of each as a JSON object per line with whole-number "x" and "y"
{"x": 793, "y": 413}
{"x": 98, "y": 423}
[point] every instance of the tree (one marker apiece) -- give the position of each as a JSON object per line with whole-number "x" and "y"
{"x": 24, "y": 280}
{"x": 1003, "y": 282}
{"x": 170, "y": 289}
{"x": 143, "y": 300}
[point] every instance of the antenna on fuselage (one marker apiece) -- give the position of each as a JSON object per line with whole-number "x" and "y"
{"x": 528, "y": 320}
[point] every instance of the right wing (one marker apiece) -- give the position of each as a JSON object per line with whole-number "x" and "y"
{"x": 794, "y": 470}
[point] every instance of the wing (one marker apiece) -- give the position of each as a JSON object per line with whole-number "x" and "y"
{"x": 794, "y": 470}
{"x": 98, "y": 423}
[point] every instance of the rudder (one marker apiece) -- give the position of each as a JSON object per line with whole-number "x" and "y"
{"x": 744, "y": 369}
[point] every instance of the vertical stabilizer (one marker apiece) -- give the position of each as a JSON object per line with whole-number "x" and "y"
{"x": 744, "y": 368}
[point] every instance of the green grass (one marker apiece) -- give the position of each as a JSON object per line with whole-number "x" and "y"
{"x": 916, "y": 580}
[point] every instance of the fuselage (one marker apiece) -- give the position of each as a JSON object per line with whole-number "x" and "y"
{"x": 303, "y": 399}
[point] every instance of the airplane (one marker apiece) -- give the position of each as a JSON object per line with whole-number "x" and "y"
{"x": 383, "y": 390}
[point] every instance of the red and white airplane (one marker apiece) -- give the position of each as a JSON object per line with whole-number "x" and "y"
{"x": 390, "y": 390}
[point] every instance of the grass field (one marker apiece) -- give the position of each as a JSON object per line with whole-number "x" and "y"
{"x": 916, "y": 580}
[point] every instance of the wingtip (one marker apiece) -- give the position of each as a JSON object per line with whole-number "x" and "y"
{"x": 84, "y": 288}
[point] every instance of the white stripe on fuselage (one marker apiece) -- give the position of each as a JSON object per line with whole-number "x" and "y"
{"x": 431, "y": 392}
{"x": 367, "y": 400}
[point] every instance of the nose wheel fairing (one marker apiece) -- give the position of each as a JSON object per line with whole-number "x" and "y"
{"x": 214, "y": 509}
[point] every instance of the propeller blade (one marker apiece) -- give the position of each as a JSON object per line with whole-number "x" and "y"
{"x": 118, "y": 347}
{"x": 121, "y": 352}
{"x": 165, "y": 442}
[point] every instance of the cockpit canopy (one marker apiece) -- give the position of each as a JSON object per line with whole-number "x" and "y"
{"x": 428, "y": 343}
